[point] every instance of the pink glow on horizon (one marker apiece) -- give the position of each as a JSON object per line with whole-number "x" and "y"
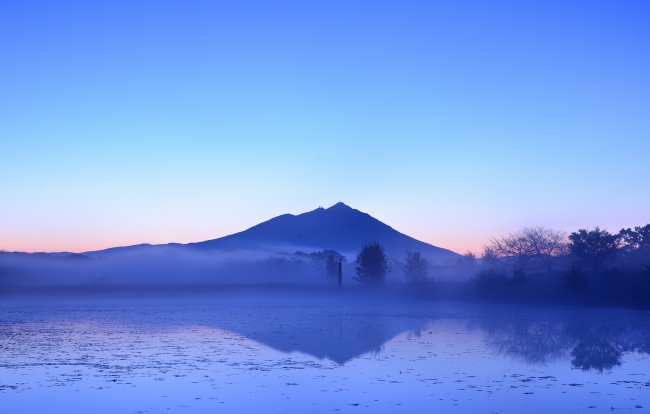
{"x": 454, "y": 242}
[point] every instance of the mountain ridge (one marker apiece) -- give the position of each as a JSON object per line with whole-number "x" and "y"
{"x": 338, "y": 227}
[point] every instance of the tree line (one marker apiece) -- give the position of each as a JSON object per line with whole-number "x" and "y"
{"x": 588, "y": 262}
{"x": 372, "y": 266}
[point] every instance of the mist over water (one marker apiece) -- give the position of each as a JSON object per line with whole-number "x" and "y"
{"x": 240, "y": 352}
{"x": 174, "y": 233}
{"x": 243, "y": 325}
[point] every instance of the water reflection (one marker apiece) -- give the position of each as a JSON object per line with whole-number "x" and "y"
{"x": 585, "y": 339}
{"x": 588, "y": 339}
{"x": 591, "y": 340}
{"x": 320, "y": 359}
{"x": 339, "y": 336}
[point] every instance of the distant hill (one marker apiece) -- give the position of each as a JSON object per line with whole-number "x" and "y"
{"x": 339, "y": 227}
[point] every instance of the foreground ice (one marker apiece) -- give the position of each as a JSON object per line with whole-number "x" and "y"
{"x": 279, "y": 358}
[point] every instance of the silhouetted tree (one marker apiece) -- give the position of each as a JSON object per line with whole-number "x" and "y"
{"x": 518, "y": 248}
{"x": 416, "y": 268}
{"x": 594, "y": 247}
{"x": 492, "y": 280}
{"x": 519, "y": 277}
{"x": 575, "y": 280}
{"x": 614, "y": 268}
{"x": 372, "y": 264}
{"x": 489, "y": 257}
{"x": 468, "y": 259}
{"x": 512, "y": 248}
{"x": 545, "y": 242}
{"x": 635, "y": 239}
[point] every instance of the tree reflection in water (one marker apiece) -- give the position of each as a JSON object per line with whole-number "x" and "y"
{"x": 593, "y": 340}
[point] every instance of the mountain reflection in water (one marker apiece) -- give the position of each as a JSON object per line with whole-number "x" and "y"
{"x": 320, "y": 356}
{"x": 591, "y": 340}
{"x": 588, "y": 339}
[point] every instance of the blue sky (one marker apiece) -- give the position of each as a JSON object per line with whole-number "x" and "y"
{"x": 128, "y": 122}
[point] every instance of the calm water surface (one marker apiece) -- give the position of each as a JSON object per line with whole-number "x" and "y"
{"x": 322, "y": 358}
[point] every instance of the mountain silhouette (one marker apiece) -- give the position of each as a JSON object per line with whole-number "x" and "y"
{"x": 338, "y": 334}
{"x": 279, "y": 250}
{"x": 339, "y": 227}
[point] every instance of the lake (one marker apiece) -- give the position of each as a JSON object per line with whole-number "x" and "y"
{"x": 320, "y": 356}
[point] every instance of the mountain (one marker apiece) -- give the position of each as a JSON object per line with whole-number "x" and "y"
{"x": 339, "y": 227}
{"x": 265, "y": 253}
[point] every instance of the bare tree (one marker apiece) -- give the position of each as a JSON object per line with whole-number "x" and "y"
{"x": 468, "y": 259}
{"x": 520, "y": 247}
{"x": 545, "y": 242}
{"x": 416, "y": 268}
{"x": 489, "y": 256}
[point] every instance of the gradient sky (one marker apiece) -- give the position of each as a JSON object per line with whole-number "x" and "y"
{"x": 129, "y": 122}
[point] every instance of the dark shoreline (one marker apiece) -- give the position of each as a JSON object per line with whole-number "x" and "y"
{"x": 460, "y": 293}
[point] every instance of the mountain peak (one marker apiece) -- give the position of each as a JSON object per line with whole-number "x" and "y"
{"x": 340, "y": 206}
{"x": 339, "y": 227}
